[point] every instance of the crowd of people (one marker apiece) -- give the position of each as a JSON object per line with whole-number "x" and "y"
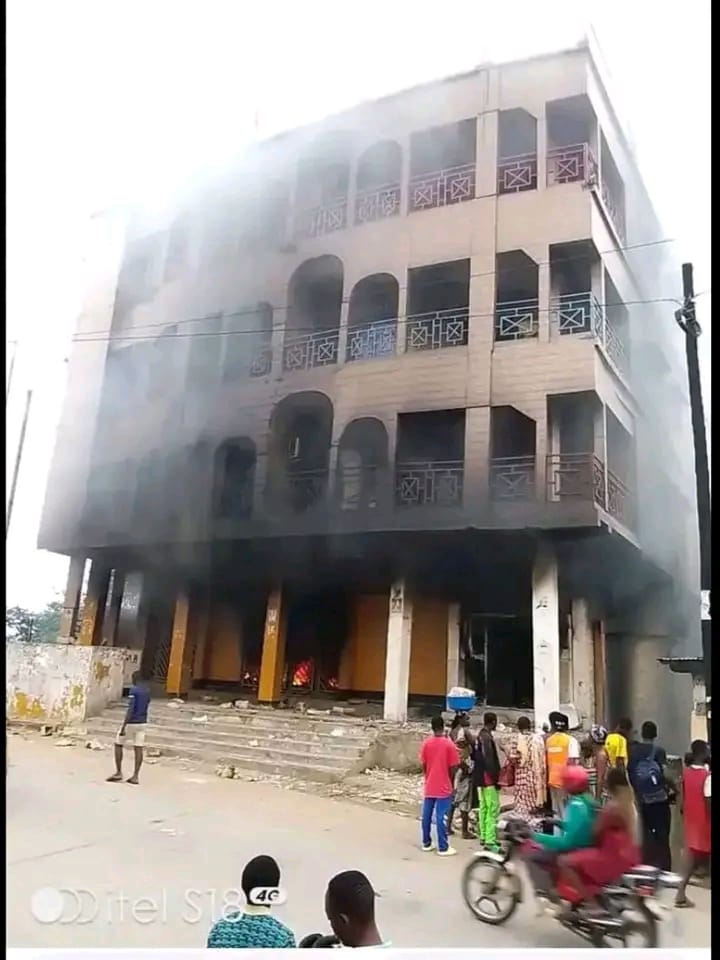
{"x": 610, "y": 795}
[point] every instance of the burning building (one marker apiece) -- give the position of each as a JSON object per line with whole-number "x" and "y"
{"x": 392, "y": 405}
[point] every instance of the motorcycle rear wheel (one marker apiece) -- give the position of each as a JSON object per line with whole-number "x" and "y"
{"x": 642, "y": 931}
{"x": 489, "y": 875}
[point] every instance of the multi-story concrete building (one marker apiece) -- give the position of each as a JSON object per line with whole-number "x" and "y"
{"x": 392, "y": 406}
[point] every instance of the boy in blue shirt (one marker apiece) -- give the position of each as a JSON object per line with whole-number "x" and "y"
{"x": 254, "y": 927}
{"x": 136, "y": 721}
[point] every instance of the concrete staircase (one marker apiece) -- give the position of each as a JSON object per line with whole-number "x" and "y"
{"x": 319, "y": 747}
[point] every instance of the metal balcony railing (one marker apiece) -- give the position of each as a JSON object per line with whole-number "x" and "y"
{"x": 437, "y": 329}
{"x": 620, "y": 502}
{"x": 578, "y": 476}
{"x": 325, "y": 218}
{"x": 516, "y": 320}
{"x": 367, "y": 341}
{"x": 512, "y": 478}
{"x": 572, "y": 164}
{"x": 305, "y": 489}
{"x": 442, "y": 187}
{"x": 580, "y": 313}
{"x": 433, "y": 483}
{"x": 377, "y": 203}
{"x": 311, "y": 350}
{"x": 614, "y": 207}
{"x": 517, "y": 173}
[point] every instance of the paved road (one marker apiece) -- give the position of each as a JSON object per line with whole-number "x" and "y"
{"x": 181, "y": 835}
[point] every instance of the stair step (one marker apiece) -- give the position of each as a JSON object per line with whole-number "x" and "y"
{"x": 316, "y": 768}
{"x": 157, "y": 734}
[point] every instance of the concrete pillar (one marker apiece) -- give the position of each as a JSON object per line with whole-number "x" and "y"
{"x": 182, "y": 648}
{"x": 272, "y": 662}
{"x": 111, "y": 619}
{"x": 542, "y": 147}
{"x": 343, "y": 331}
{"x": 486, "y": 154}
{"x": 545, "y": 627}
{"x": 545, "y": 317}
{"x": 132, "y": 624}
{"x": 397, "y": 660}
{"x": 583, "y": 665}
{"x": 453, "y": 646}
{"x": 92, "y": 616}
{"x": 71, "y": 600}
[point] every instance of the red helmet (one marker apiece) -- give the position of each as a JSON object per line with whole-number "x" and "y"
{"x": 575, "y": 779}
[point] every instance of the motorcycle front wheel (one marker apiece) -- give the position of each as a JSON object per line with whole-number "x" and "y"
{"x": 490, "y": 890}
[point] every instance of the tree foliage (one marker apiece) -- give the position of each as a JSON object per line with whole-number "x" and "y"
{"x": 29, "y": 626}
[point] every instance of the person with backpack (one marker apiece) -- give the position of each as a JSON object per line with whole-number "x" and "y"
{"x": 647, "y": 764}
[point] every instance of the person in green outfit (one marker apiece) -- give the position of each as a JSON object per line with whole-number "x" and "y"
{"x": 486, "y": 774}
{"x": 576, "y": 829}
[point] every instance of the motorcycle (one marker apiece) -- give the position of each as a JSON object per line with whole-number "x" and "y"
{"x": 631, "y": 910}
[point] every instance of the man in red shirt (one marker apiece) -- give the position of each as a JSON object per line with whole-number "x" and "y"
{"x": 440, "y": 759}
{"x": 696, "y": 814}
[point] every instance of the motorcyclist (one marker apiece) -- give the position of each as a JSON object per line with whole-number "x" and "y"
{"x": 575, "y": 829}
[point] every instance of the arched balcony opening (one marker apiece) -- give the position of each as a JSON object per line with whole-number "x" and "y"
{"x": 322, "y": 187}
{"x": 372, "y": 317}
{"x": 248, "y": 343}
{"x": 234, "y": 479}
{"x": 362, "y": 463}
{"x": 299, "y": 451}
{"x": 378, "y": 181}
{"x": 312, "y": 329}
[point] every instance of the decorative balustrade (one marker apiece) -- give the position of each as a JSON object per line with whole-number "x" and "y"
{"x": 580, "y": 313}
{"x": 619, "y": 500}
{"x": 517, "y": 173}
{"x": 442, "y": 187}
{"x": 578, "y": 476}
{"x": 575, "y": 313}
{"x": 573, "y": 164}
{"x": 326, "y": 218}
{"x": 311, "y": 350}
{"x": 370, "y": 340}
{"x": 516, "y": 319}
{"x": 305, "y": 489}
{"x": 261, "y": 362}
{"x": 377, "y": 203}
{"x": 433, "y": 483}
{"x": 512, "y": 478}
{"x": 438, "y": 329}
{"x": 614, "y": 208}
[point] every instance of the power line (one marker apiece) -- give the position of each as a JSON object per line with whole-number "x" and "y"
{"x": 346, "y": 300}
{"x": 302, "y": 330}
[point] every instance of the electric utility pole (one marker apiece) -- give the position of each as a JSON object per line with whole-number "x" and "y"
{"x": 18, "y": 458}
{"x": 687, "y": 321}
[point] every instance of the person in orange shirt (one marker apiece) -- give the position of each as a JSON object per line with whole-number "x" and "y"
{"x": 561, "y": 751}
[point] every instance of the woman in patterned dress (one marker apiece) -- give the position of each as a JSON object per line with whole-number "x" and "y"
{"x": 527, "y": 753}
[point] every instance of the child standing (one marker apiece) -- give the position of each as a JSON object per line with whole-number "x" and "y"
{"x": 254, "y": 927}
{"x": 696, "y": 814}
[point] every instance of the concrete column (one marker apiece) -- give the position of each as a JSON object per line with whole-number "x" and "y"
{"x": 343, "y": 331}
{"x": 112, "y": 610}
{"x": 402, "y": 319}
{"x": 545, "y": 318}
{"x": 71, "y": 600}
{"x": 583, "y": 668}
{"x": 132, "y": 625}
{"x": 397, "y": 660}
{"x": 486, "y": 154}
{"x": 182, "y": 648}
{"x": 542, "y": 146}
{"x": 476, "y": 479}
{"x": 92, "y": 616}
{"x": 453, "y": 646}
{"x": 272, "y": 662}
{"x": 545, "y": 626}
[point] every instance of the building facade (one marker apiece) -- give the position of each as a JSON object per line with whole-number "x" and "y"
{"x": 391, "y": 405}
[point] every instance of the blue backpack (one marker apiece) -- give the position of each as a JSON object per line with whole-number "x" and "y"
{"x": 649, "y": 781}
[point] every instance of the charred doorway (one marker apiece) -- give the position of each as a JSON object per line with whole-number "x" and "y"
{"x": 499, "y": 662}
{"x": 317, "y": 631}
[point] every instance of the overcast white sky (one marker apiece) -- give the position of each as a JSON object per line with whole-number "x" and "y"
{"x": 109, "y": 101}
